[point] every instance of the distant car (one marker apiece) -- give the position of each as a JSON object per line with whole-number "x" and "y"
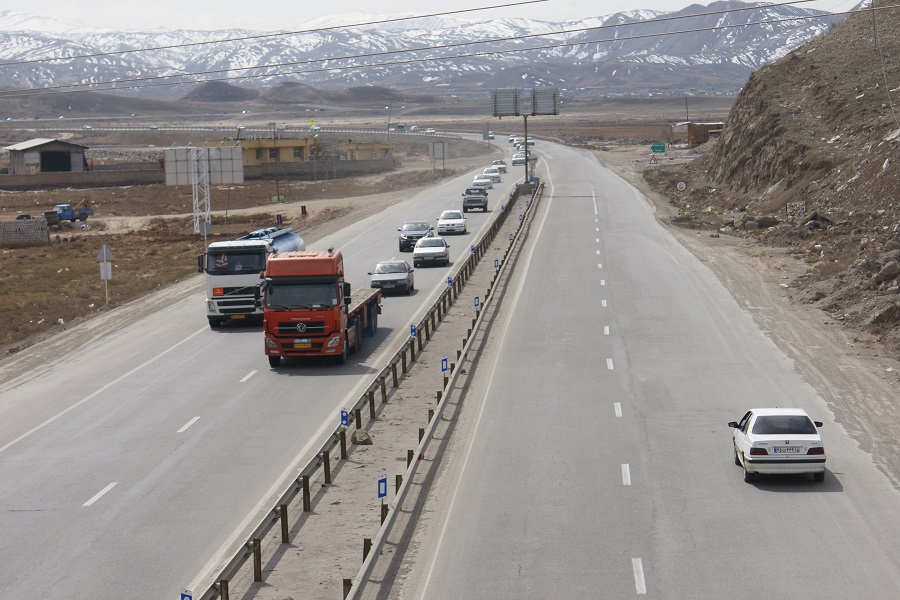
{"x": 412, "y": 232}
{"x": 778, "y": 441}
{"x": 490, "y": 134}
{"x": 431, "y": 250}
{"x": 512, "y": 138}
{"x": 475, "y": 197}
{"x": 493, "y": 173}
{"x": 430, "y": 130}
{"x": 518, "y": 159}
{"x": 500, "y": 164}
{"x": 392, "y": 275}
{"x": 451, "y": 221}
{"x": 483, "y": 181}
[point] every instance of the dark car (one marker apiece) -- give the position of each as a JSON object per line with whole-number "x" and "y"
{"x": 412, "y": 232}
{"x": 392, "y": 275}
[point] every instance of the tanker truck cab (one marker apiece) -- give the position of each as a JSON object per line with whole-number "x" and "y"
{"x": 232, "y": 272}
{"x": 309, "y": 310}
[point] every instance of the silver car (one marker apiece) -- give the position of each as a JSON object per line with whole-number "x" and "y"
{"x": 390, "y": 275}
{"x": 431, "y": 250}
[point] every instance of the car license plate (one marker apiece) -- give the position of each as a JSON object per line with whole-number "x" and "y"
{"x": 301, "y": 343}
{"x": 786, "y": 450}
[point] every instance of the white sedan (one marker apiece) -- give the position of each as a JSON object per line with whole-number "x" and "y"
{"x": 451, "y": 221}
{"x": 431, "y": 250}
{"x": 778, "y": 441}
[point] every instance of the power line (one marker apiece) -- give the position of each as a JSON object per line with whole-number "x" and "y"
{"x": 147, "y": 82}
{"x": 272, "y": 35}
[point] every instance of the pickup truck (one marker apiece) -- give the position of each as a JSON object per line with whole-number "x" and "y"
{"x": 474, "y": 197}
{"x": 67, "y": 212}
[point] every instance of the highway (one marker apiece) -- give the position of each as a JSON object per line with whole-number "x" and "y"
{"x": 595, "y": 460}
{"x": 131, "y": 467}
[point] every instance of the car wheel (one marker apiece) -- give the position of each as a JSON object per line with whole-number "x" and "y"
{"x": 465, "y": 210}
{"x": 819, "y": 477}
{"x": 748, "y": 476}
{"x": 274, "y": 361}
{"x": 737, "y": 460}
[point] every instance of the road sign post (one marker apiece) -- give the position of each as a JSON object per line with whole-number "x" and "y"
{"x": 105, "y": 258}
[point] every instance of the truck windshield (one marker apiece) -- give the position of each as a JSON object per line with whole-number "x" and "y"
{"x": 235, "y": 263}
{"x": 300, "y": 295}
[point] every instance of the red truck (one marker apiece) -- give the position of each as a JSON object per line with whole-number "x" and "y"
{"x": 309, "y": 310}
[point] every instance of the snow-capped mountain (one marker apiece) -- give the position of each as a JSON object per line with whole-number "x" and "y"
{"x": 637, "y": 52}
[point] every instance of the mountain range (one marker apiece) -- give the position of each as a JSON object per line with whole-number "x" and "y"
{"x": 698, "y": 50}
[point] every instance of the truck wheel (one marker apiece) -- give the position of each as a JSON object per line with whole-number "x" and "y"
{"x": 82, "y": 217}
{"x": 465, "y": 209}
{"x": 274, "y": 361}
{"x": 354, "y": 324}
{"x": 372, "y": 322}
{"x": 342, "y": 358}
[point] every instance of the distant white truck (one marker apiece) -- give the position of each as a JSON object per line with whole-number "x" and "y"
{"x": 233, "y": 272}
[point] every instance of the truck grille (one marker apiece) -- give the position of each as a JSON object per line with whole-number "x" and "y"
{"x": 312, "y": 328}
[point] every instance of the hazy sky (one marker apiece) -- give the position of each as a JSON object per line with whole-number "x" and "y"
{"x": 272, "y": 15}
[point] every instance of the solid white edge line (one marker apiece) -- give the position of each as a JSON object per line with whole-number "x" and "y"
{"x": 248, "y": 376}
{"x": 188, "y": 424}
{"x": 637, "y": 566}
{"x": 100, "y": 493}
{"x": 617, "y": 406}
{"x": 91, "y": 396}
{"x": 426, "y": 581}
{"x": 626, "y": 474}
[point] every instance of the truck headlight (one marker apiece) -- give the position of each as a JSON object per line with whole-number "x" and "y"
{"x": 270, "y": 343}
{"x": 211, "y": 306}
{"x": 334, "y": 342}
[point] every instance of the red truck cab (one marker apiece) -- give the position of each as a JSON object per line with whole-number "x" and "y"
{"x": 309, "y": 310}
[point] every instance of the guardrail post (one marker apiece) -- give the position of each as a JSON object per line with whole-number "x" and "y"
{"x": 326, "y": 459}
{"x": 458, "y": 354}
{"x": 283, "y": 509}
{"x": 372, "y": 404}
{"x": 433, "y": 323}
{"x": 367, "y": 546}
{"x": 348, "y": 585}
{"x": 430, "y": 416}
{"x": 403, "y": 361}
{"x": 409, "y": 457}
{"x": 427, "y": 330}
{"x": 440, "y": 394}
{"x": 446, "y": 380}
{"x": 358, "y": 413}
{"x": 398, "y": 481}
{"x": 395, "y": 381}
{"x": 419, "y": 338}
{"x": 384, "y": 513}
{"x": 421, "y": 433}
{"x": 257, "y": 560}
{"x": 223, "y": 589}
{"x": 343, "y": 444}
{"x": 306, "y": 501}
{"x": 383, "y": 391}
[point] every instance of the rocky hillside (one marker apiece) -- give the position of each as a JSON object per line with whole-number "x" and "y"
{"x": 810, "y": 159}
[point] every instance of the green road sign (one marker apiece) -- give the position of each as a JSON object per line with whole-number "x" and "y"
{"x": 658, "y": 147}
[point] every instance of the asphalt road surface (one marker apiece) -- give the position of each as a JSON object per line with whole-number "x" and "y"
{"x": 132, "y": 466}
{"x": 595, "y": 460}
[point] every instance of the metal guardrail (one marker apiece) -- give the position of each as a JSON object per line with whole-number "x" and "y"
{"x": 279, "y": 512}
{"x": 358, "y": 584}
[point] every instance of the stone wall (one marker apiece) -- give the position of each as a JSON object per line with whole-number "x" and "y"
{"x": 28, "y": 232}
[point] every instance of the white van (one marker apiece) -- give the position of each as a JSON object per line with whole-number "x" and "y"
{"x": 482, "y": 181}
{"x": 493, "y": 173}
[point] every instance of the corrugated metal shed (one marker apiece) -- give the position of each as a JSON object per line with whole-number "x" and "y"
{"x": 45, "y": 155}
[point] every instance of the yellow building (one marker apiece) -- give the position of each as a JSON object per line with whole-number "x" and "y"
{"x": 367, "y": 151}
{"x": 261, "y": 152}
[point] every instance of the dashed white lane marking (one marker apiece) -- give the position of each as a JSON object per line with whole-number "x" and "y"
{"x": 188, "y": 424}
{"x": 598, "y": 240}
{"x": 248, "y": 375}
{"x": 602, "y": 282}
{"x": 626, "y": 475}
{"x": 609, "y": 364}
{"x": 606, "y": 330}
{"x": 100, "y": 493}
{"x": 618, "y": 408}
{"x": 637, "y": 566}
{"x": 598, "y": 252}
{"x": 603, "y": 303}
